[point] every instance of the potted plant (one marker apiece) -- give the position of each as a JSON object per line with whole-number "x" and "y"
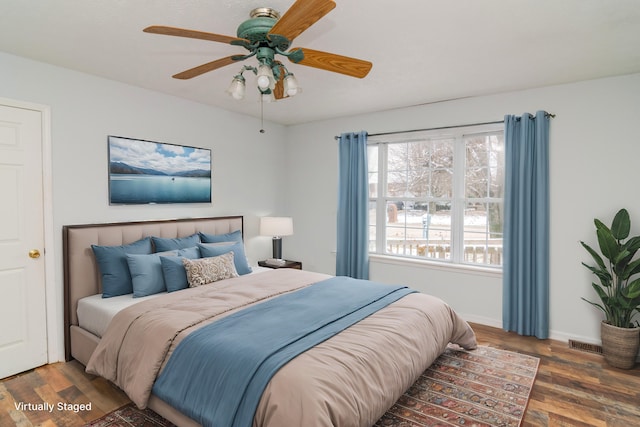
{"x": 619, "y": 290}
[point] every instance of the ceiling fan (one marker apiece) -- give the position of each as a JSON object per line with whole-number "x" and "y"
{"x": 266, "y": 35}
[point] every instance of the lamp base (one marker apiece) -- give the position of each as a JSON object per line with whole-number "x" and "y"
{"x": 277, "y": 247}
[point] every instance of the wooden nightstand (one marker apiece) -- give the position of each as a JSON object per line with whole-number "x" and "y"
{"x": 288, "y": 264}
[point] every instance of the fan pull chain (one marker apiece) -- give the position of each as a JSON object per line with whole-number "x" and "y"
{"x": 261, "y": 114}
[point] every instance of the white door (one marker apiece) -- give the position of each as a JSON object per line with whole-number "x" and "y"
{"x": 23, "y": 317}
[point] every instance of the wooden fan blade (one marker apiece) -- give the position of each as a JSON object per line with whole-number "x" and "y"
{"x": 205, "y": 68}
{"x": 300, "y": 16}
{"x": 192, "y": 34}
{"x": 335, "y": 63}
{"x": 278, "y": 91}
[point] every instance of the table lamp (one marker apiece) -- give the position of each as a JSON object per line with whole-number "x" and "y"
{"x": 276, "y": 227}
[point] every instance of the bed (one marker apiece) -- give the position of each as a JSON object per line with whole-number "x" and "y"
{"x": 350, "y": 377}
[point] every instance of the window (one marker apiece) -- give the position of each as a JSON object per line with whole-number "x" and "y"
{"x": 438, "y": 194}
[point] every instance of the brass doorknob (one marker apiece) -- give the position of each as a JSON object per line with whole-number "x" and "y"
{"x": 34, "y": 253}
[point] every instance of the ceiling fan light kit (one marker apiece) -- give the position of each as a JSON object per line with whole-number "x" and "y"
{"x": 265, "y": 34}
{"x": 291, "y": 86}
{"x": 237, "y": 87}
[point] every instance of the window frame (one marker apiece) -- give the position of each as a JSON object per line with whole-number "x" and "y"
{"x": 458, "y": 198}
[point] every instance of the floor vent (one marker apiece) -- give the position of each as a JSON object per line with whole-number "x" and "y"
{"x": 583, "y": 346}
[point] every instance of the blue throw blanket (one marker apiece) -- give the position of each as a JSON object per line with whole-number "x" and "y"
{"x": 217, "y": 374}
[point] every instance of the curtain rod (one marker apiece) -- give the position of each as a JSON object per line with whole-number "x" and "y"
{"x": 443, "y": 127}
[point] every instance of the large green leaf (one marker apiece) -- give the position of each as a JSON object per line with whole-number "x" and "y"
{"x": 631, "y": 269}
{"x": 596, "y": 257}
{"x": 632, "y": 290}
{"x": 599, "y": 224}
{"x": 608, "y": 244}
{"x": 602, "y": 274}
{"x": 596, "y": 305}
{"x": 621, "y": 256}
{"x": 633, "y": 244}
{"x": 621, "y": 225}
{"x": 601, "y": 293}
{"x": 621, "y": 261}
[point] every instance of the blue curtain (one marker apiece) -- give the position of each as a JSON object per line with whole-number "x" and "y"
{"x": 525, "y": 303}
{"x": 352, "y": 254}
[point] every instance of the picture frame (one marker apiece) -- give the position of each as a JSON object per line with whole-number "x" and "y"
{"x": 149, "y": 172}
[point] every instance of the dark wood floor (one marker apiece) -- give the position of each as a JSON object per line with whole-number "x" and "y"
{"x": 572, "y": 388}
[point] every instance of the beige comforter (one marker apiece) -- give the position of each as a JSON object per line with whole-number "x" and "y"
{"x": 348, "y": 380}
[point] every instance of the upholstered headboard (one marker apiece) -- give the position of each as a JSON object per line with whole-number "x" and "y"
{"x": 81, "y": 275}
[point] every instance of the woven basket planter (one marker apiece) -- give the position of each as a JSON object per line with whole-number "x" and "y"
{"x": 620, "y": 345}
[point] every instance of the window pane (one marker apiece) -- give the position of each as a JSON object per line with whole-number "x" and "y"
{"x": 496, "y": 183}
{"x": 418, "y": 169}
{"x": 397, "y": 183}
{"x": 372, "y": 158}
{"x": 476, "y": 146}
{"x": 476, "y": 180}
{"x": 441, "y": 164}
{"x": 442, "y": 154}
{"x": 442, "y": 183}
{"x": 484, "y": 166}
{"x": 397, "y": 157}
{"x": 372, "y": 225}
{"x": 407, "y": 231}
{"x": 483, "y": 233}
{"x": 373, "y": 184}
{"x": 372, "y": 165}
{"x": 437, "y": 230}
{"x": 476, "y": 171}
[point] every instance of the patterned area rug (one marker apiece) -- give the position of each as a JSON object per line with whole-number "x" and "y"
{"x": 483, "y": 387}
{"x": 130, "y": 416}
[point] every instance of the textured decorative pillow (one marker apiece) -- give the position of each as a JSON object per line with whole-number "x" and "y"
{"x": 239, "y": 259}
{"x": 234, "y": 236}
{"x": 208, "y": 270}
{"x": 114, "y": 270}
{"x": 167, "y": 244}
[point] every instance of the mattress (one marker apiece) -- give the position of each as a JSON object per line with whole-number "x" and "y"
{"x": 95, "y": 313}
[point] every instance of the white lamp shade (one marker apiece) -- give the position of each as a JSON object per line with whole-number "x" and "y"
{"x": 276, "y": 226}
{"x": 291, "y": 85}
{"x": 237, "y": 88}
{"x": 266, "y": 80}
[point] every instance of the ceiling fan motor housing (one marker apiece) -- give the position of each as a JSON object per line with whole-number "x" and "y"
{"x": 257, "y": 27}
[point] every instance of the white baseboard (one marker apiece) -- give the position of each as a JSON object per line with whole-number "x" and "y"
{"x": 554, "y": 335}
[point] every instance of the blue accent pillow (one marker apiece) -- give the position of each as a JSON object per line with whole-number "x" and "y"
{"x": 166, "y": 244}
{"x": 239, "y": 257}
{"x": 191, "y": 253}
{"x": 234, "y": 236}
{"x": 173, "y": 271}
{"x": 146, "y": 273}
{"x": 114, "y": 270}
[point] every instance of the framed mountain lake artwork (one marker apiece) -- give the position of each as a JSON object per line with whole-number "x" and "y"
{"x": 147, "y": 172}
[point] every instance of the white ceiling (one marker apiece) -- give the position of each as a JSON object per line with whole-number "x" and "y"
{"x": 422, "y": 50}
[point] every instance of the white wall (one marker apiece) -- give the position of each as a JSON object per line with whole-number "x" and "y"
{"x": 594, "y": 172}
{"x": 247, "y": 166}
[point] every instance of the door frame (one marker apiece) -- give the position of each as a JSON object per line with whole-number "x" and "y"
{"x": 52, "y": 294}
